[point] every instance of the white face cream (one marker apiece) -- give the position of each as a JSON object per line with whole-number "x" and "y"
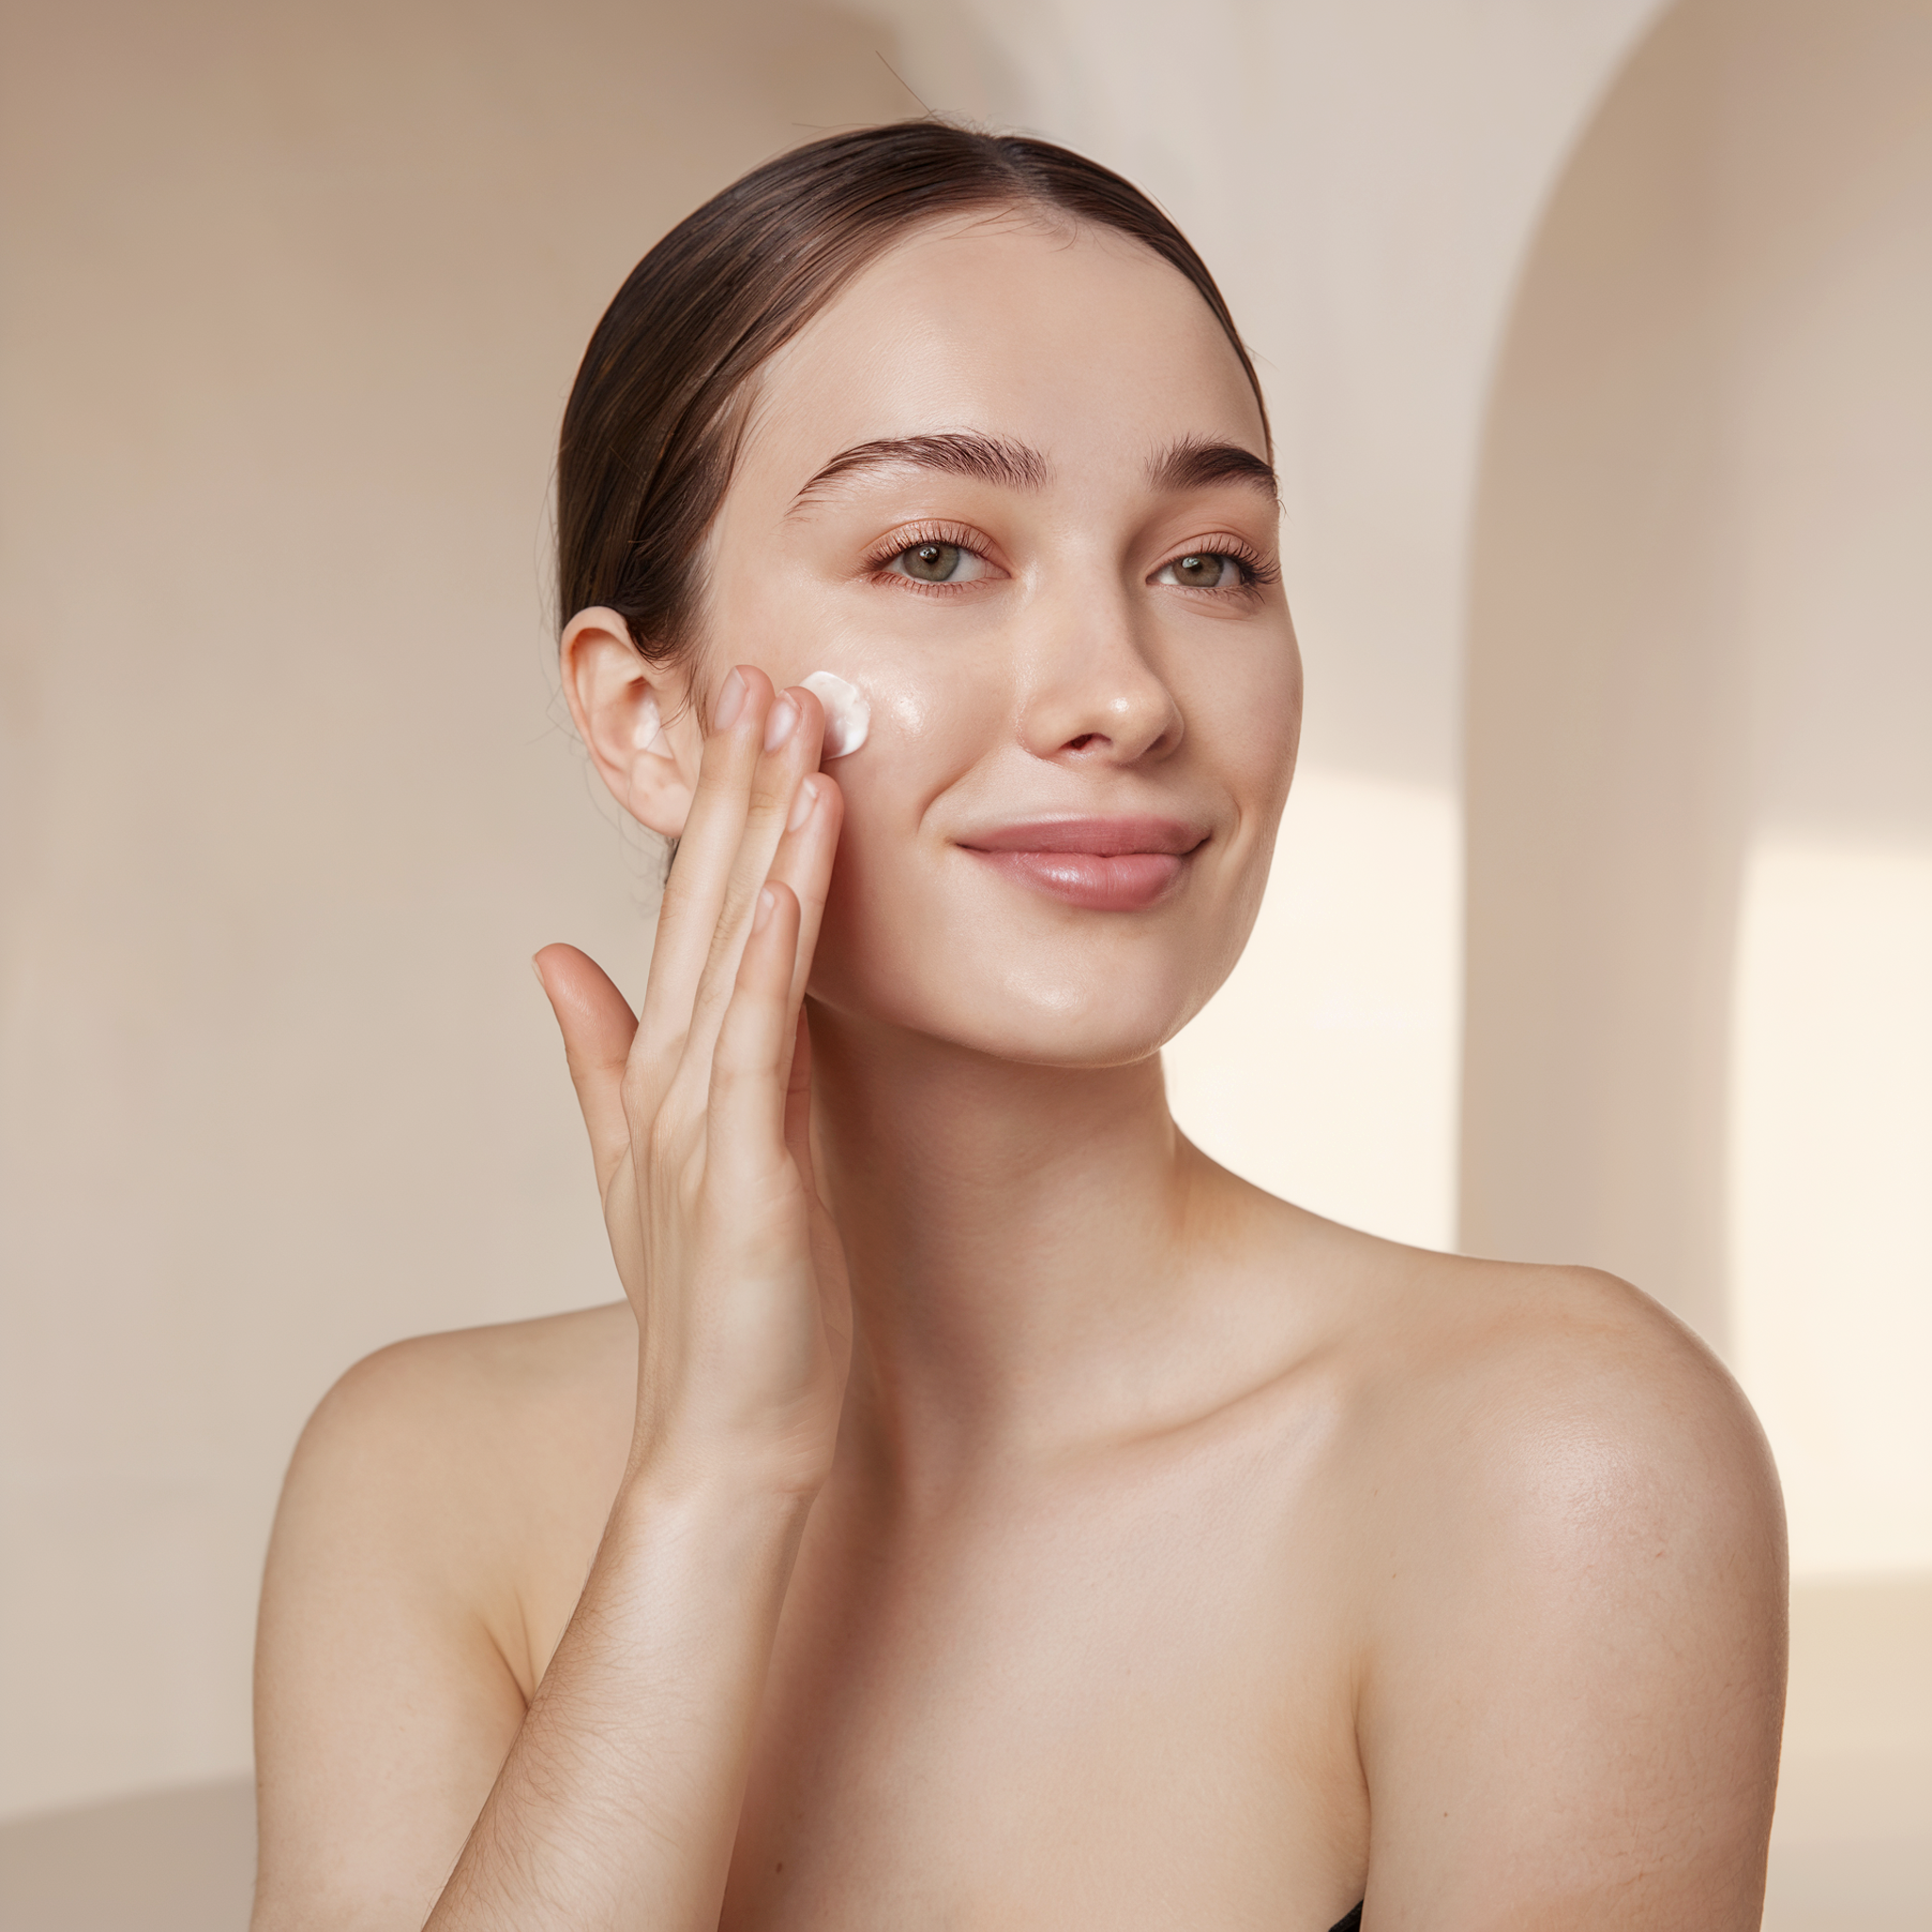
{"x": 848, "y": 717}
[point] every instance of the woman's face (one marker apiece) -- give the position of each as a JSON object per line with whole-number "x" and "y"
{"x": 1012, "y": 485}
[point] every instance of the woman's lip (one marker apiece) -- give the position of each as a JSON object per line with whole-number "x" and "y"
{"x": 1100, "y": 882}
{"x": 1102, "y": 865}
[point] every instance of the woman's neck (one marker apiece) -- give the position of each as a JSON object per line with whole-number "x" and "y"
{"x": 1018, "y": 1237}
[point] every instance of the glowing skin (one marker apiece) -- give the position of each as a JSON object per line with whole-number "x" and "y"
{"x": 1032, "y": 654}
{"x": 848, "y": 716}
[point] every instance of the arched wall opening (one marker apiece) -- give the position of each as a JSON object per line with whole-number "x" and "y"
{"x": 1698, "y": 1045}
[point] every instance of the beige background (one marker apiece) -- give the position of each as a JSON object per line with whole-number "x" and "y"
{"x": 1593, "y": 332}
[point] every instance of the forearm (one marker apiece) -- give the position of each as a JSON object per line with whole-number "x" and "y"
{"x": 618, "y": 1803}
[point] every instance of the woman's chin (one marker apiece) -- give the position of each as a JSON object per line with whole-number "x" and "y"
{"x": 1036, "y": 1022}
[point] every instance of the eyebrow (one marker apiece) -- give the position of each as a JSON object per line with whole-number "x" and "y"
{"x": 957, "y": 453}
{"x": 1193, "y": 463}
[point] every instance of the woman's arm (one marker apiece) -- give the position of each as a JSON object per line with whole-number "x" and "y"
{"x": 391, "y": 1709}
{"x": 618, "y": 1801}
{"x": 1572, "y": 1704}
{"x": 392, "y": 1649}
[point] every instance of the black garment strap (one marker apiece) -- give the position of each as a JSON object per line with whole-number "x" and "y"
{"x": 1352, "y": 1924}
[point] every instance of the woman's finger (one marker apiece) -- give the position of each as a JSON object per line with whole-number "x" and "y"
{"x": 694, "y": 893}
{"x": 796, "y": 721}
{"x": 597, "y": 1026}
{"x": 749, "y": 1063}
{"x": 798, "y": 1100}
{"x": 827, "y": 1252}
{"x": 804, "y": 862}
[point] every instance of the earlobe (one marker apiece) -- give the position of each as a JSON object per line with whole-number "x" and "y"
{"x": 620, "y": 702}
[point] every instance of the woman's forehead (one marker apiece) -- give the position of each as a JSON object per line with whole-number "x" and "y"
{"x": 1072, "y": 343}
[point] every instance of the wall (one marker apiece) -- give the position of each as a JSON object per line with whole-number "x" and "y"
{"x": 1699, "y": 1035}
{"x": 295, "y": 299}
{"x": 1698, "y": 1028}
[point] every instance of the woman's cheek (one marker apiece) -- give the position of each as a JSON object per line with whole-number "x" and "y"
{"x": 889, "y": 883}
{"x": 1261, "y": 730}
{"x": 912, "y": 710}
{"x": 880, "y": 831}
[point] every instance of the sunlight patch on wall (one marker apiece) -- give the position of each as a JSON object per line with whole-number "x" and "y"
{"x": 1326, "y": 1069}
{"x": 1831, "y": 1193}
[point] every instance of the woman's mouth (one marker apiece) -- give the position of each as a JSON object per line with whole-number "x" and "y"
{"x": 1102, "y": 865}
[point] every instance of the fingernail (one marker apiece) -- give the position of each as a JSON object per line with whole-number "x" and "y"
{"x": 730, "y": 702}
{"x": 538, "y": 971}
{"x": 779, "y": 720}
{"x": 767, "y": 899}
{"x": 802, "y": 805}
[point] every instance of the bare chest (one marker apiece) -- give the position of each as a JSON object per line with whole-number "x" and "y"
{"x": 1129, "y": 1707}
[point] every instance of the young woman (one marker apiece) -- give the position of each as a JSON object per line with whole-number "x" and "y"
{"x": 984, "y": 1511}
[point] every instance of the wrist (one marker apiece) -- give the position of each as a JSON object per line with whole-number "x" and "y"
{"x": 690, "y": 1451}
{"x": 713, "y": 1531}
{"x": 682, "y": 1482}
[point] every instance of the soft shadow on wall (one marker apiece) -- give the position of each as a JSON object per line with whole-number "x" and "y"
{"x": 1698, "y": 1047}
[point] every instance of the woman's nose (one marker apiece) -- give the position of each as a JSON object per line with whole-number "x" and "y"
{"x": 1093, "y": 692}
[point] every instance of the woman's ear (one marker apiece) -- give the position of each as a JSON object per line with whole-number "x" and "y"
{"x": 621, "y": 702}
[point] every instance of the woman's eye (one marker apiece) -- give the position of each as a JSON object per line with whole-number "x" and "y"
{"x": 937, "y": 563}
{"x": 1201, "y": 570}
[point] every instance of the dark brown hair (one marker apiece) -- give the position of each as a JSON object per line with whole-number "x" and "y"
{"x": 651, "y": 431}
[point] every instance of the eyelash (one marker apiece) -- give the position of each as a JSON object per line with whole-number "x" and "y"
{"x": 1255, "y": 569}
{"x": 900, "y": 542}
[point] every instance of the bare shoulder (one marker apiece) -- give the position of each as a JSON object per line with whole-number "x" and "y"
{"x": 1570, "y": 1568}
{"x": 476, "y": 1382}
{"x": 1576, "y": 1397}
{"x": 440, "y": 1514}
{"x": 470, "y": 1463}
{"x": 1459, "y": 1379}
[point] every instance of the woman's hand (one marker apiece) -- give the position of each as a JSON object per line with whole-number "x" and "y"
{"x": 609, "y": 1796}
{"x": 699, "y": 1115}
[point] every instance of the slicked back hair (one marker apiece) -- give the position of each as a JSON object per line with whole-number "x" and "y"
{"x": 651, "y": 430}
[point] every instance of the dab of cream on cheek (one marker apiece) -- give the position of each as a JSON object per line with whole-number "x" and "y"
{"x": 848, "y": 716}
